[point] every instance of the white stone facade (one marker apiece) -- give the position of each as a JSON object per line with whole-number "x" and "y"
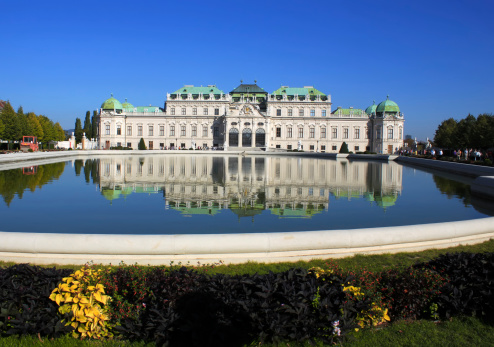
{"x": 205, "y": 121}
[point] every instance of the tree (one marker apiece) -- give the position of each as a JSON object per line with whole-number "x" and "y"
{"x": 87, "y": 125}
{"x": 142, "y": 145}
{"x": 59, "y": 132}
{"x": 9, "y": 120}
{"x": 446, "y": 134}
{"x": 21, "y": 120}
{"x": 465, "y": 132}
{"x": 344, "y": 148}
{"x": 94, "y": 125}
{"x": 33, "y": 127}
{"x": 48, "y": 128}
{"x": 78, "y": 130}
{"x": 2, "y": 127}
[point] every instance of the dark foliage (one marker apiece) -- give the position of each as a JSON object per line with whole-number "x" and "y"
{"x": 25, "y": 306}
{"x": 410, "y": 292}
{"x": 470, "y": 289}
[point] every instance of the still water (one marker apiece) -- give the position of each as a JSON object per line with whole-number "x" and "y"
{"x": 176, "y": 194}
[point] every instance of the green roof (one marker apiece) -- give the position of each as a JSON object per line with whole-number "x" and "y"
{"x": 347, "y": 111}
{"x": 198, "y": 90}
{"x": 248, "y": 88}
{"x": 387, "y": 106}
{"x": 111, "y": 104}
{"x": 285, "y": 90}
{"x": 142, "y": 109}
{"x": 371, "y": 109}
{"x": 127, "y": 104}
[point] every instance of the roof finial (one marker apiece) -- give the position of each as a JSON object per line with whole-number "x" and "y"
{"x": 111, "y": 95}
{"x": 255, "y": 81}
{"x": 373, "y": 102}
{"x": 241, "y": 81}
{"x": 387, "y": 97}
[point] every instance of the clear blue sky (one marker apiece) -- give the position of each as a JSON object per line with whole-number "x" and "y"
{"x": 434, "y": 58}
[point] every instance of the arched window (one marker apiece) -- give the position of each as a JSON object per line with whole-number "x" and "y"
{"x": 247, "y": 137}
{"x": 260, "y": 137}
{"x": 233, "y": 137}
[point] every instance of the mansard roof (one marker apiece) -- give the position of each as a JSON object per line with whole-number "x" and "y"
{"x": 307, "y": 90}
{"x": 248, "y": 88}
{"x": 190, "y": 89}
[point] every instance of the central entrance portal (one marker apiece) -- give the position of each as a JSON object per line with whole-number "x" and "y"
{"x": 247, "y": 137}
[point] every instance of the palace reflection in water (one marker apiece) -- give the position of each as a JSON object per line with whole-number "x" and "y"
{"x": 286, "y": 186}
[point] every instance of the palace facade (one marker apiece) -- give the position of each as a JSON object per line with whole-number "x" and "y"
{"x": 250, "y": 118}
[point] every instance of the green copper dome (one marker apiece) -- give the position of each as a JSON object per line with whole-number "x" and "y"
{"x": 127, "y": 104}
{"x": 371, "y": 109}
{"x": 387, "y": 106}
{"x": 111, "y": 104}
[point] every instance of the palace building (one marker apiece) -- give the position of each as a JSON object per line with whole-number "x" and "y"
{"x": 249, "y": 118}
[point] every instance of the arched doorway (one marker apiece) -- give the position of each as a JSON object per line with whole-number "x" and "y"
{"x": 260, "y": 137}
{"x": 247, "y": 137}
{"x": 233, "y": 137}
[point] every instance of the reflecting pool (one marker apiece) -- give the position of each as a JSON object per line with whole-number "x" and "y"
{"x": 186, "y": 194}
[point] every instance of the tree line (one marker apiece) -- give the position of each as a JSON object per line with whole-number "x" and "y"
{"x": 89, "y": 127}
{"x": 15, "y": 125}
{"x": 469, "y": 132}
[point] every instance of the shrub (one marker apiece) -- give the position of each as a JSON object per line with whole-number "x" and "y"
{"x": 141, "y": 145}
{"x": 344, "y": 148}
{"x": 25, "y": 307}
{"x": 84, "y": 300}
{"x": 469, "y": 289}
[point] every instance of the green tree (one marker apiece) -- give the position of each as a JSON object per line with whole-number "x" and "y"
{"x": 344, "y": 148}
{"x": 446, "y": 133}
{"x": 34, "y": 127}
{"x": 94, "y": 125}
{"x": 2, "y": 127}
{"x": 484, "y": 131}
{"x": 59, "y": 133}
{"x": 11, "y": 126}
{"x": 87, "y": 125}
{"x": 48, "y": 128}
{"x": 465, "y": 132}
{"x": 78, "y": 130}
{"x": 21, "y": 120}
{"x": 142, "y": 145}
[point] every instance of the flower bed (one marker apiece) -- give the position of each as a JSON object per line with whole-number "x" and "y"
{"x": 164, "y": 304}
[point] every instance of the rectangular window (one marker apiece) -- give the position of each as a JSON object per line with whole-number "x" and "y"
{"x": 194, "y": 130}
{"x": 356, "y": 133}
{"x": 107, "y": 129}
{"x": 119, "y": 144}
{"x": 290, "y": 112}
{"x": 205, "y": 111}
{"x": 278, "y": 132}
{"x": 278, "y": 146}
{"x": 312, "y": 133}
{"x": 129, "y": 144}
{"x": 182, "y": 130}
{"x": 378, "y": 133}
{"x": 216, "y": 131}
{"x": 172, "y": 130}
{"x": 162, "y": 130}
{"x": 366, "y": 133}
{"x": 345, "y": 133}
{"x": 401, "y": 134}
{"x": 119, "y": 129}
{"x": 323, "y": 148}
{"x": 334, "y": 133}
{"x": 216, "y": 111}
{"x": 357, "y": 148}
{"x": 300, "y": 133}
{"x": 312, "y": 113}
{"x": 139, "y": 130}
{"x": 301, "y": 112}
{"x": 289, "y": 132}
{"x": 151, "y": 131}
{"x": 129, "y": 130}
{"x": 172, "y": 111}
{"x": 311, "y": 147}
{"x": 333, "y": 148}
{"x": 205, "y": 131}
{"x": 278, "y": 112}
{"x": 183, "y": 111}
{"x": 289, "y": 147}
{"x": 323, "y": 133}
{"x": 194, "y": 111}
{"x": 390, "y": 133}
{"x": 323, "y": 113}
